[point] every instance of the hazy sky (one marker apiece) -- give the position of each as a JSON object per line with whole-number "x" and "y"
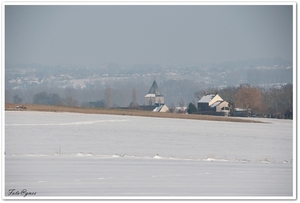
{"x": 171, "y": 35}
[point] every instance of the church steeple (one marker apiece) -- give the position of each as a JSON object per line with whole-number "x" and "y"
{"x": 154, "y": 97}
{"x": 154, "y": 89}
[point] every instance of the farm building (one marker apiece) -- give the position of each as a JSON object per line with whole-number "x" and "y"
{"x": 162, "y": 108}
{"x": 182, "y": 110}
{"x": 241, "y": 112}
{"x": 213, "y": 104}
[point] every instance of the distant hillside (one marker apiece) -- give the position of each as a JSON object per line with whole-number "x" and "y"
{"x": 177, "y": 83}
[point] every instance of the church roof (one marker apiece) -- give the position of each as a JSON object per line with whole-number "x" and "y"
{"x": 154, "y": 89}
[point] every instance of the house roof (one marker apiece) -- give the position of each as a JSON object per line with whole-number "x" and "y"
{"x": 157, "y": 109}
{"x": 216, "y": 104}
{"x": 154, "y": 89}
{"x": 161, "y": 108}
{"x": 206, "y": 98}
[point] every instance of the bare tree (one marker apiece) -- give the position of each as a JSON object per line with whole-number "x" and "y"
{"x": 249, "y": 98}
{"x": 54, "y": 99}
{"x": 70, "y": 99}
{"x": 279, "y": 101}
{"x": 134, "y": 97}
{"x": 41, "y": 98}
{"x": 181, "y": 103}
{"x": 108, "y": 101}
{"x": 17, "y": 99}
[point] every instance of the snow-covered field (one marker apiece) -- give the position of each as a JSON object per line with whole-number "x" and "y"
{"x": 70, "y": 154}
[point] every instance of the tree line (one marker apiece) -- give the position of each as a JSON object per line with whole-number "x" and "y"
{"x": 69, "y": 99}
{"x": 275, "y": 102}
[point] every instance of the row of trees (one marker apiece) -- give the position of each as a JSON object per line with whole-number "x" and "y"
{"x": 53, "y": 99}
{"x": 69, "y": 99}
{"x": 273, "y": 102}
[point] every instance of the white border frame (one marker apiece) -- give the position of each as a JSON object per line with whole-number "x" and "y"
{"x": 166, "y": 2}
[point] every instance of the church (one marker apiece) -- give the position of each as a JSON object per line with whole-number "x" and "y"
{"x": 154, "y": 96}
{"x": 154, "y": 100}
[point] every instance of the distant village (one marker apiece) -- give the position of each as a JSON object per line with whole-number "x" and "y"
{"x": 220, "y": 90}
{"x": 209, "y": 104}
{"x": 243, "y": 101}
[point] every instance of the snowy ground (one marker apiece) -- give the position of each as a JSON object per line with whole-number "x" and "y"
{"x": 69, "y": 154}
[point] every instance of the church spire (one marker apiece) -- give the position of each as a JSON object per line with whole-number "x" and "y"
{"x": 154, "y": 89}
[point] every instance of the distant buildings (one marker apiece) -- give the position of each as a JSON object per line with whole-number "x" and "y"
{"x": 162, "y": 108}
{"x": 182, "y": 110}
{"x": 154, "y": 97}
{"x": 154, "y": 100}
{"x": 213, "y": 104}
{"x": 241, "y": 112}
{"x": 210, "y": 104}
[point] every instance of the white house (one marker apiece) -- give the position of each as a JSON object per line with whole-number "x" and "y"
{"x": 212, "y": 103}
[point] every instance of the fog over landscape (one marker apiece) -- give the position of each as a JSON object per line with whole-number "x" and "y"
{"x": 187, "y": 49}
